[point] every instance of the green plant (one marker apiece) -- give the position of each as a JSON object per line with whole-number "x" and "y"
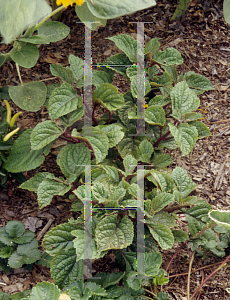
{"x": 8, "y": 134}
{"x": 18, "y": 246}
{"x": 20, "y": 20}
{"x": 116, "y": 154}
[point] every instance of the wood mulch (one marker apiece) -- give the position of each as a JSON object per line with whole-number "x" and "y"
{"x": 203, "y": 40}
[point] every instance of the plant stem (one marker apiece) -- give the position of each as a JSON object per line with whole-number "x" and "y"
{"x": 19, "y": 75}
{"x": 189, "y": 275}
{"x": 154, "y": 295}
{"x": 161, "y": 138}
{"x": 49, "y": 16}
{"x": 209, "y": 276}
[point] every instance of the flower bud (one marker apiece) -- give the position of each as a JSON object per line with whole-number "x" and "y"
{"x": 9, "y": 135}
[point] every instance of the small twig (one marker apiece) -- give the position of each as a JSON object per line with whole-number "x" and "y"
{"x": 189, "y": 275}
{"x": 41, "y": 233}
{"x": 174, "y": 255}
{"x": 51, "y": 78}
{"x": 201, "y": 268}
{"x": 209, "y": 276}
{"x": 148, "y": 291}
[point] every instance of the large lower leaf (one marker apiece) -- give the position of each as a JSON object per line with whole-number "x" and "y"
{"x": 183, "y": 182}
{"x": 162, "y": 234}
{"x": 59, "y": 238}
{"x": 112, "y": 233}
{"x": 45, "y": 291}
{"x": 183, "y": 99}
{"x": 16, "y": 16}
{"x": 198, "y": 81}
{"x": 169, "y": 57}
{"x": 129, "y": 146}
{"x": 114, "y": 133}
{"x": 25, "y": 56}
{"x": 115, "y": 8}
{"x": 33, "y": 183}
{"x": 107, "y": 95}
{"x": 72, "y": 159}
{"x": 48, "y": 188}
{"x": 43, "y": 134}
{"x": 22, "y": 158}
{"x": 54, "y": 31}
{"x": 155, "y": 115}
{"x": 64, "y": 268}
{"x": 63, "y": 100}
{"x": 98, "y": 141}
{"x": 29, "y": 96}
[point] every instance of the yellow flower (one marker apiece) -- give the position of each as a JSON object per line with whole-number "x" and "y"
{"x": 8, "y": 115}
{"x": 13, "y": 120}
{"x": 69, "y": 2}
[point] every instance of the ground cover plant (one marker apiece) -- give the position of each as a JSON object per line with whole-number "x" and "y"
{"x": 114, "y": 152}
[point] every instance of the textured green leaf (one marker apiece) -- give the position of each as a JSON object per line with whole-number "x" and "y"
{"x": 16, "y": 16}
{"x": 25, "y": 56}
{"x": 47, "y": 189}
{"x": 63, "y": 100}
{"x": 193, "y": 116}
{"x": 153, "y": 262}
{"x": 112, "y": 172}
{"x": 198, "y": 81}
{"x": 127, "y": 44}
{"x": 202, "y": 129}
{"x": 33, "y": 183}
{"x": 114, "y": 133}
{"x": 183, "y": 98}
{"x": 29, "y": 96}
{"x": 55, "y": 31}
{"x": 69, "y": 119}
{"x": 95, "y": 289}
{"x": 100, "y": 77}
{"x": 118, "y": 63}
{"x": 168, "y": 57}
{"x": 160, "y": 201}
{"x": 130, "y": 164}
{"x": 65, "y": 74}
{"x": 162, "y": 234}
{"x": 163, "y": 217}
{"x": 171, "y": 71}
{"x": 129, "y": 146}
{"x": 194, "y": 225}
{"x": 25, "y": 254}
{"x": 64, "y": 268}
{"x": 107, "y": 95}
{"x": 105, "y": 279}
{"x": 27, "y": 237}
{"x": 45, "y": 291}
{"x": 72, "y": 159}
{"x": 185, "y": 135}
{"x": 165, "y": 80}
{"x": 98, "y": 141}
{"x": 183, "y": 182}
{"x": 77, "y": 67}
{"x": 22, "y": 158}
{"x": 44, "y": 133}
{"x": 79, "y": 245}
{"x": 145, "y": 148}
{"x": 164, "y": 181}
{"x": 222, "y": 218}
{"x": 162, "y": 161}
{"x": 112, "y": 233}
{"x": 133, "y": 281}
{"x": 139, "y": 86}
{"x": 199, "y": 211}
{"x": 152, "y": 46}
{"x": 179, "y": 236}
{"x": 15, "y": 229}
{"x": 100, "y": 192}
{"x": 155, "y": 115}
{"x": 59, "y": 238}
